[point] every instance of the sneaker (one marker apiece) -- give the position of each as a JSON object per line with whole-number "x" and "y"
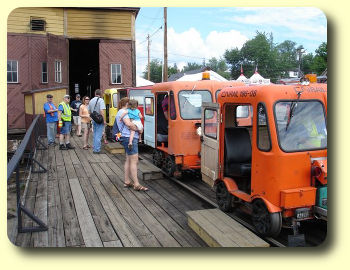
{"x": 69, "y": 146}
{"x": 63, "y": 147}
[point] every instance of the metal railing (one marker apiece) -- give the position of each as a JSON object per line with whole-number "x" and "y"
{"x": 30, "y": 143}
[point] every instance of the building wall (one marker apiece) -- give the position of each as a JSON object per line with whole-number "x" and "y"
{"x": 19, "y": 20}
{"x": 115, "y": 52}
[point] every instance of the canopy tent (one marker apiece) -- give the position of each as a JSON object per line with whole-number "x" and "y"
{"x": 198, "y": 77}
{"x": 142, "y": 82}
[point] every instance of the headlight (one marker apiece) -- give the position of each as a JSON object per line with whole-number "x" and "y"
{"x": 199, "y": 131}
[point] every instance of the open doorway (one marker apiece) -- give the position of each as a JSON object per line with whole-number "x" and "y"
{"x": 84, "y": 75}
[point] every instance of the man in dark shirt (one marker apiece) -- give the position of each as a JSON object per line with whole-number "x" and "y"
{"x": 75, "y": 105}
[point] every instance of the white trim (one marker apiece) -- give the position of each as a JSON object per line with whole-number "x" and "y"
{"x": 13, "y": 71}
{"x": 58, "y": 72}
{"x": 121, "y": 76}
{"x": 47, "y": 72}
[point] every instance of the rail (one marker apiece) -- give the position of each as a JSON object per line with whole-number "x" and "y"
{"x": 32, "y": 142}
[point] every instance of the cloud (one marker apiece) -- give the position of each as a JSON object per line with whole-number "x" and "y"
{"x": 187, "y": 46}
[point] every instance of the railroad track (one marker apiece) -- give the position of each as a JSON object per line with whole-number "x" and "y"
{"x": 312, "y": 237}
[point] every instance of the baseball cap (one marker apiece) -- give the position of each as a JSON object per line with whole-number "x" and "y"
{"x": 49, "y": 96}
{"x": 77, "y": 95}
{"x": 66, "y": 96}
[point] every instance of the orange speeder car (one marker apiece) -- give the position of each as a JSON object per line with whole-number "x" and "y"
{"x": 278, "y": 165}
{"x": 173, "y": 135}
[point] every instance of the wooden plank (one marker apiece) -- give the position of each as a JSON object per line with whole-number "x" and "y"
{"x": 87, "y": 225}
{"x": 72, "y": 231}
{"x": 218, "y": 230}
{"x": 207, "y": 231}
{"x": 238, "y": 228}
{"x": 55, "y": 222}
{"x": 117, "y": 243}
{"x": 40, "y": 239}
{"x": 71, "y": 174}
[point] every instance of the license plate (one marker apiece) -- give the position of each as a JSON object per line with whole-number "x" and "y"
{"x": 302, "y": 213}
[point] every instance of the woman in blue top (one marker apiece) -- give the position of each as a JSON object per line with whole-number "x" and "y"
{"x": 132, "y": 158}
{"x": 135, "y": 117}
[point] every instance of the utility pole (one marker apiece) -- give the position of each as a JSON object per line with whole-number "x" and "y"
{"x": 165, "y": 69}
{"x": 148, "y": 67}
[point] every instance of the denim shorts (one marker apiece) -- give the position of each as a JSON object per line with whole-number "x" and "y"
{"x": 65, "y": 129}
{"x": 135, "y": 147}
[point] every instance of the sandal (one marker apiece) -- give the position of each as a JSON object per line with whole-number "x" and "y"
{"x": 88, "y": 146}
{"x": 128, "y": 185}
{"x": 85, "y": 148}
{"x": 140, "y": 188}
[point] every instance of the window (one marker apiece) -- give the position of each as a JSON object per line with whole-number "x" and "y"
{"x": 44, "y": 72}
{"x": 301, "y": 125}
{"x": 58, "y": 71}
{"x": 242, "y": 111}
{"x": 115, "y": 100}
{"x": 263, "y": 137}
{"x": 210, "y": 123}
{"x": 149, "y": 108}
{"x": 12, "y": 71}
{"x": 139, "y": 95}
{"x": 37, "y": 24}
{"x": 190, "y": 103}
{"x": 116, "y": 73}
{"x": 172, "y": 106}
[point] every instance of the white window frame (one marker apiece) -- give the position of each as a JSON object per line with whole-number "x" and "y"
{"x": 116, "y": 74}
{"x": 42, "y": 73}
{"x": 13, "y": 71}
{"x": 58, "y": 71}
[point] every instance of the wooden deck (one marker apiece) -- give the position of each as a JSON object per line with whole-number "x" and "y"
{"x": 84, "y": 204}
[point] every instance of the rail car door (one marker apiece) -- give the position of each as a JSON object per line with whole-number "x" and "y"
{"x": 149, "y": 120}
{"x": 210, "y": 142}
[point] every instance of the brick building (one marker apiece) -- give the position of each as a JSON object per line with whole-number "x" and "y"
{"x": 66, "y": 50}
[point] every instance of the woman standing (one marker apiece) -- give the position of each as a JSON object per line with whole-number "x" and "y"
{"x": 132, "y": 156}
{"x": 85, "y": 121}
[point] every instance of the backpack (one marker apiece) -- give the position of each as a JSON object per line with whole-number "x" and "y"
{"x": 97, "y": 117}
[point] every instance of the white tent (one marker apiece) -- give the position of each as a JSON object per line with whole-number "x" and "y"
{"x": 242, "y": 78}
{"x": 198, "y": 77}
{"x": 142, "y": 82}
{"x": 256, "y": 78}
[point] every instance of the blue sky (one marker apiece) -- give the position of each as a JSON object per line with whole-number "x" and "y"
{"x": 200, "y": 33}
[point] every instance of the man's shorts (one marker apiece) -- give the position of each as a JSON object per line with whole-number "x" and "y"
{"x": 135, "y": 147}
{"x": 77, "y": 120}
{"x": 65, "y": 129}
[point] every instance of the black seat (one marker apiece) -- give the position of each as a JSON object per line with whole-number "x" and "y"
{"x": 238, "y": 152}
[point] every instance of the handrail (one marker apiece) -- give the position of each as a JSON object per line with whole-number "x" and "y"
{"x": 12, "y": 167}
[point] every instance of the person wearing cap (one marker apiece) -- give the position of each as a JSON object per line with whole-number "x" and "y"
{"x": 65, "y": 115}
{"x": 75, "y": 113}
{"x": 50, "y": 114}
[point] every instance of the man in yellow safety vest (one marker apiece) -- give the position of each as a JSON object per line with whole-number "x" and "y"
{"x": 65, "y": 117}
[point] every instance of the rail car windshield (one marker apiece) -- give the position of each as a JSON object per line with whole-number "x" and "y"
{"x": 190, "y": 103}
{"x": 301, "y": 125}
{"x": 139, "y": 95}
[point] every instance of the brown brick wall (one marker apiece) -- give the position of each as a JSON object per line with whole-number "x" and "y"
{"x": 115, "y": 52}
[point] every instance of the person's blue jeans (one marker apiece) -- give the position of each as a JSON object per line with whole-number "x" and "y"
{"x": 51, "y": 132}
{"x": 98, "y": 130}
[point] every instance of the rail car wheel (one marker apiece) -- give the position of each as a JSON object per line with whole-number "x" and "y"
{"x": 157, "y": 158}
{"x": 169, "y": 165}
{"x": 223, "y": 197}
{"x": 266, "y": 223}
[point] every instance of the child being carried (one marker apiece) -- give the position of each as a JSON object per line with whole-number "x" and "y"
{"x": 135, "y": 117}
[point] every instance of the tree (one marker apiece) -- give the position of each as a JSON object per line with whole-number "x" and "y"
{"x": 286, "y": 57}
{"x": 219, "y": 66}
{"x": 191, "y": 66}
{"x": 173, "y": 70}
{"x": 155, "y": 71}
{"x": 234, "y": 59}
{"x": 320, "y": 60}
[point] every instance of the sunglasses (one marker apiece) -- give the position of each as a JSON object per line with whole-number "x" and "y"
{"x": 86, "y": 99}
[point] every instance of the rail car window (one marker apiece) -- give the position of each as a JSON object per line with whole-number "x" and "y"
{"x": 172, "y": 106}
{"x": 190, "y": 103}
{"x": 244, "y": 115}
{"x": 301, "y": 125}
{"x": 263, "y": 136}
{"x": 149, "y": 108}
{"x": 115, "y": 100}
{"x": 210, "y": 123}
{"x": 139, "y": 95}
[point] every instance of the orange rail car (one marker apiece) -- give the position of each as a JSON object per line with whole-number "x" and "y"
{"x": 174, "y": 134}
{"x": 278, "y": 165}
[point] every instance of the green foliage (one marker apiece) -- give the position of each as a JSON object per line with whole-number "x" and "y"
{"x": 219, "y": 66}
{"x": 273, "y": 61}
{"x": 156, "y": 71}
{"x": 191, "y": 66}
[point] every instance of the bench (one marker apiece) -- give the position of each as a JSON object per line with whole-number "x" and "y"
{"x": 219, "y": 230}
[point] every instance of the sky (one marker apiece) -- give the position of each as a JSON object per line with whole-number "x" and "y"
{"x": 199, "y": 33}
